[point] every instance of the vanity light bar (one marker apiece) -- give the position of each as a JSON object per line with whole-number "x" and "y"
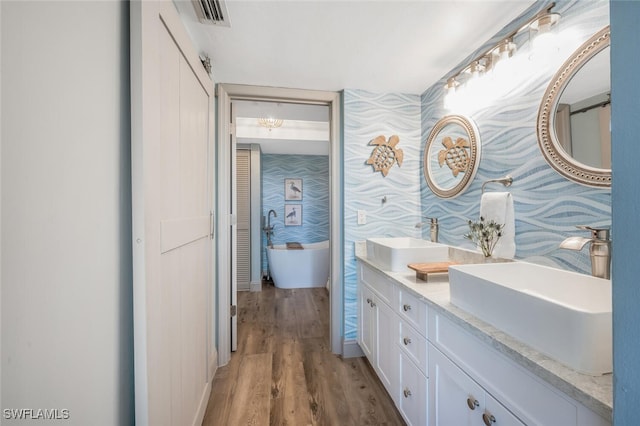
{"x": 503, "y": 50}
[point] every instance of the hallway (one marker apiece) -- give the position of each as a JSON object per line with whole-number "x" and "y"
{"x": 284, "y": 373}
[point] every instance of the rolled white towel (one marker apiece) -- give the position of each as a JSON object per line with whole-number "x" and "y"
{"x": 498, "y": 206}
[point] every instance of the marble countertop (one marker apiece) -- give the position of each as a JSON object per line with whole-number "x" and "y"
{"x": 595, "y": 393}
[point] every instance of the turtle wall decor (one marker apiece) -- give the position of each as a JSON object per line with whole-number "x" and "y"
{"x": 385, "y": 154}
{"x": 455, "y": 155}
{"x": 451, "y": 155}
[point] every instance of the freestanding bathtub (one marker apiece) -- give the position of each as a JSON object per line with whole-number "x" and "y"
{"x": 304, "y": 268}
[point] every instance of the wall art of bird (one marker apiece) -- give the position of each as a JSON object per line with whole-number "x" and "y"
{"x": 295, "y": 189}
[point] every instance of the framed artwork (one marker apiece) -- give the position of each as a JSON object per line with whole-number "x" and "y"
{"x": 292, "y": 214}
{"x": 451, "y": 155}
{"x": 293, "y": 189}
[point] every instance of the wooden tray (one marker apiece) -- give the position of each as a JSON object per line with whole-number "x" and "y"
{"x": 424, "y": 269}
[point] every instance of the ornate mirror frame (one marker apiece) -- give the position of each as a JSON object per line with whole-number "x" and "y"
{"x": 548, "y": 142}
{"x": 470, "y": 146}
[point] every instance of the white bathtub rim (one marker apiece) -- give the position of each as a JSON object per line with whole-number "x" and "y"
{"x": 310, "y": 267}
{"x": 305, "y": 246}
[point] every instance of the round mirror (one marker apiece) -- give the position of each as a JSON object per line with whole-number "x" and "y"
{"x": 574, "y": 131}
{"x": 451, "y": 156}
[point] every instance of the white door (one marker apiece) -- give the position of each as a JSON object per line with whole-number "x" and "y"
{"x": 172, "y": 248}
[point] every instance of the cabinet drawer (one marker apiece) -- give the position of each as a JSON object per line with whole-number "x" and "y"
{"x": 414, "y": 398}
{"x": 413, "y": 310}
{"x": 381, "y": 285}
{"x": 455, "y": 399}
{"x": 414, "y": 345}
{"x": 496, "y": 413}
{"x": 528, "y": 397}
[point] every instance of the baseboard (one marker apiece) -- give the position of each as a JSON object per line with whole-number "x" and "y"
{"x": 202, "y": 406}
{"x": 351, "y": 349}
{"x": 255, "y": 286}
{"x": 213, "y": 364}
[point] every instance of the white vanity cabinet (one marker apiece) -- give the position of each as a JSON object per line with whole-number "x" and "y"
{"x": 366, "y": 318}
{"x": 508, "y": 392}
{"x": 387, "y": 359}
{"x": 392, "y": 334}
{"x": 414, "y": 393}
{"x": 440, "y": 372}
{"x": 459, "y": 400}
{"x": 378, "y": 326}
{"x": 412, "y": 341}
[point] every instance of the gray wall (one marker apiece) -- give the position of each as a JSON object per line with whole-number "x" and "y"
{"x": 66, "y": 213}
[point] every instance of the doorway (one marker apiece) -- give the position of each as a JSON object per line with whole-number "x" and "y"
{"x": 282, "y": 191}
{"x": 227, "y": 219}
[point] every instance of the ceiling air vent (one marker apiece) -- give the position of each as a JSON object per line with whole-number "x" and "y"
{"x": 213, "y": 12}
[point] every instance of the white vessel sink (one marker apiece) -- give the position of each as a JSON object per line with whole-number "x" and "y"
{"x": 394, "y": 254}
{"x": 562, "y": 314}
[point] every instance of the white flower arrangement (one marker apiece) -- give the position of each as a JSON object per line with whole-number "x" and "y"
{"x": 485, "y": 234}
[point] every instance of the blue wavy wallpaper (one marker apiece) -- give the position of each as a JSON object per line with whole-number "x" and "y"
{"x": 366, "y": 116}
{"x": 314, "y": 172}
{"x": 547, "y": 205}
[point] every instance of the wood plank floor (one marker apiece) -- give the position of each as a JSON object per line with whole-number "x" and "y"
{"x": 285, "y": 374}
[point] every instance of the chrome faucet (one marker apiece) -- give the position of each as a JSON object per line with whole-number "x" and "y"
{"x": 600, "y": 250}
{"x": 268, "y": 230}
{"x": 433, "y": 222}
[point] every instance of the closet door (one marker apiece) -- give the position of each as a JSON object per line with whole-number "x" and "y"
{"x": 172, "y": 248}
{"x": 243, "y": 191}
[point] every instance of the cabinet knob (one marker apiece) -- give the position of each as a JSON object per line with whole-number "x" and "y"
{"x": 406, "y": 308}
{"x": 472, "y": 403}
{"x": 369, "y": 301}
{"x": 488, "y": 418}
{"x": 406, "y": 341}
{"x": 406, "y": 392}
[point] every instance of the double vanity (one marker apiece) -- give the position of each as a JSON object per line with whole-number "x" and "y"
{"x": 506, "y": 343}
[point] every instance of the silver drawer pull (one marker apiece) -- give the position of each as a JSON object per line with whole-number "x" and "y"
{"x": 406, "y": 308}
{"x": 406, "y": 392}
{"x": 472, "y": 403}
{"x": 488, "y": 418}
{"x": 406, "y": 341}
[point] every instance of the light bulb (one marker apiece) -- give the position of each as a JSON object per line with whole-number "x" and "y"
{"x": 450, "y": 93}
{"x": 542, "y": 36}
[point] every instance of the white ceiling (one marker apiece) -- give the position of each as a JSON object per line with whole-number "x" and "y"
{"x": 304, "y": 130}
{"x": 378, "y": 45}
